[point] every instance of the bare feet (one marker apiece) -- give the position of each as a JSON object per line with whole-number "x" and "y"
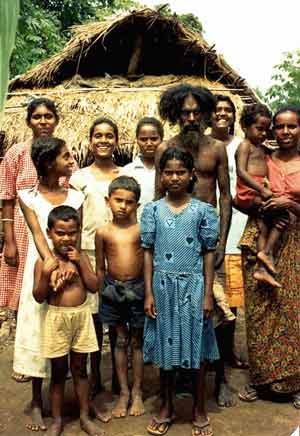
{"x": 267, "y": 260}
{"x": 89, "y": 427}
{"x": 102, "y": 415}
{"x": 36, "y": 421}
{"x": 56, "y": 428}
{"x": 120, "y": 409}
{"x": 224, "y": 395}
{"x": 137, "y": 406}
{"x": 261, "y": 275}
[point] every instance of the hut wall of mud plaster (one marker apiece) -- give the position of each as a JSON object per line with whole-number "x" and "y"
{"x": 119, "y": 68}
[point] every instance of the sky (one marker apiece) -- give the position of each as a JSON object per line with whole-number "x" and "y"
{"x": 251, "y": 34}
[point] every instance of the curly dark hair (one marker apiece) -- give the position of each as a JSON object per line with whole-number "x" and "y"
{"x": 251, "y": 112}
{"x": 172, "y": 99}
{"x": 44, "y": 151}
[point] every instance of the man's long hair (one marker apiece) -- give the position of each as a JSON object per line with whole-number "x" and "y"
{"x": 172, "y": 100}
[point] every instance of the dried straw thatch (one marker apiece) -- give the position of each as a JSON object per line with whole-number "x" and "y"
{"x": 119, "y": 68}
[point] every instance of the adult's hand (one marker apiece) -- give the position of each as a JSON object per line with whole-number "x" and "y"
{"x": 10, "y": 253}
{"x": 276, "y": 203}
{"x": 220, "y": 254}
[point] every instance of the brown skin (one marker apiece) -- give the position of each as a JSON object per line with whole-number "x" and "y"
{"x": 148, "y": 139}
{"x": 102, "y": 144}
{"x": 211, "y": 167}
{"x": 65, "y": 236}
{"x": 175, "y": 179}
{"x": 42, "y": 123}
{"x": 250, "y": 155}
{"x": 118, "y": 245}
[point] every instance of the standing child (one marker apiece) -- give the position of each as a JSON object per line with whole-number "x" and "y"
{"x": 52, "y": 160}
{"x": 252, "y": 187}
{"x": 149, "y": 135}
{"x": 118, "y": 245}
{"x": 68, "y": 327}
{"x": 179, "y": 236}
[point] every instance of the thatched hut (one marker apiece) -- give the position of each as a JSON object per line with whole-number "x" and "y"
{"x": 119, "y": 68}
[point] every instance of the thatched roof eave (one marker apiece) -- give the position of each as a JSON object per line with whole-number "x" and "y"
{"x": 95, "y": 47}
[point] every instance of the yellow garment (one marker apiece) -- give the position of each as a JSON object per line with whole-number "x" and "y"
{"x": 69, "y": 328}
{"x": 234, "y": 283}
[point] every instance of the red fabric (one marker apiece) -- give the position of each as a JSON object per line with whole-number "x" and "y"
{"x": 245, "y": 195}
{"x": 281, "y": 183}
{"x": 16, "y": 172}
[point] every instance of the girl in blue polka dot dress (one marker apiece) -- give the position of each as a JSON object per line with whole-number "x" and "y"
{"x": 179, "y": 235}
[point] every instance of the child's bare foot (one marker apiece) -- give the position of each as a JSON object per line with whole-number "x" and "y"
{"x": 261, "y": 275}
{"x": 267, "y": 260}
{"x": 89, "y": 427}
{"x": 137, "y": 406}
{"x": 56, "y": 428}
{"x": 120, "y": 409}
{"x": 36, "y": 420}
{"x": 102, "y": 415}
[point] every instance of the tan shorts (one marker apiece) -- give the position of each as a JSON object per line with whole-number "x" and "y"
{"x": 69, "y": 328}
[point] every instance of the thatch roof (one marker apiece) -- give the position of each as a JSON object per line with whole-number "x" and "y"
{"x": 119, "y": 68}
{"x": 106, "y": 47}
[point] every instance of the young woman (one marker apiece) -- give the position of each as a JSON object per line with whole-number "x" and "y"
{"x": 149, "y": 135}
{"x": 17, "y": 171}
{"x": 93, "y": 182}
{"x": 272, "y": 314}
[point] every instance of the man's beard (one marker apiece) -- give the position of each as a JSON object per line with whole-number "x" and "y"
{"x": 190, "y": 135}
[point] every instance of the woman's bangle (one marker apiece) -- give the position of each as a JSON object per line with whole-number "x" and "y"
{"x": 8, "y": 220}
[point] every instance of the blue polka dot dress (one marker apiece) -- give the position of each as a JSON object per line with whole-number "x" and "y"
{"x": 179, "y": 336}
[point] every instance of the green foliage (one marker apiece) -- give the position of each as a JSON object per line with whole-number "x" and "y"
{"x": 286, "y": 87}
{"x": 189, "y": 20}
{"x": 43, "y": 27}
{"x": 116, "y": 7}
{"x": 39, "y": 35}
{"x": 71, "y": 12}
{"x": 9, "y": 12}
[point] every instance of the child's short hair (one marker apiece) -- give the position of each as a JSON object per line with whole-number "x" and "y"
{"x": 152, "y": 121}
{"x": 127, "y": 183}
{"x": 251, "y": 112}
{"x": 105, "y": 120}
{"x": 179, "y": 154}
{"x": 44, "y": 151}
{"x": 63, "y": 213}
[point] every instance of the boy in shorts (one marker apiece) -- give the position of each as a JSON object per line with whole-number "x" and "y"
{"x": 118, "y": 247}
{"x": 68, "y": 327}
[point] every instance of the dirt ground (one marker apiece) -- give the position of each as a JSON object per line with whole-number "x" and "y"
{"x": 262, "y": 418}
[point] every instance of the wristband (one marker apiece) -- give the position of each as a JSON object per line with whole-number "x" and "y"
{"x": 8, "y": 220}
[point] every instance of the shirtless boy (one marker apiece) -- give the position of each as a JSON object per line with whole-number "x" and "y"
{"x": 118, "y": 246}
{"x": 68, "y": 326}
